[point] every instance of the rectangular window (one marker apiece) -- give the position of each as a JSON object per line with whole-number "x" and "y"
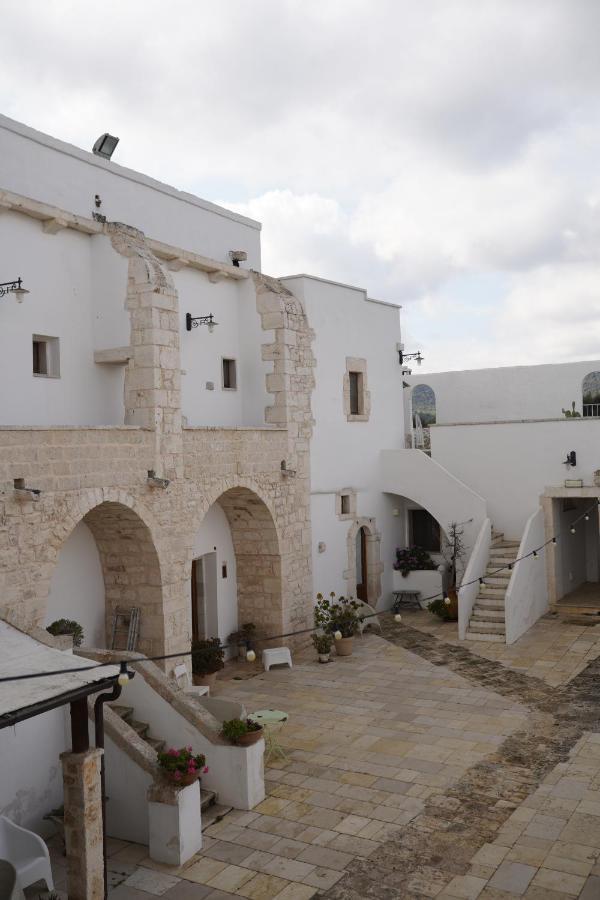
{"x": 424, "y": 530}
{"x": 345, "y": 505}
{"x": 229, "y": 375}
{"x": 45, "y": 356}
{"x": 355, "y": 379}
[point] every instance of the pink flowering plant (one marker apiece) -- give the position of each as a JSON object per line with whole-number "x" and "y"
{"x": 183, "y": 764}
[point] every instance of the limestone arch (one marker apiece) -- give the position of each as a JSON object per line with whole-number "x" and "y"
{"x": 129, "y": 559}
{"x": 373, "y": 559}
{"x": 256, "y": 547}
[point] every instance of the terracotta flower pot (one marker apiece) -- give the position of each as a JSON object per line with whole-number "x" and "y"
{"x": 184, "y": 781}
{"x": 452, "y": 607}
{"x": 251, "y": 737}
{"x": 209, "y": 680}
{"x": 344, "y": 646}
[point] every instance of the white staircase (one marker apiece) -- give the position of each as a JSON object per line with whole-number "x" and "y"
{"x": 487, "y": 619}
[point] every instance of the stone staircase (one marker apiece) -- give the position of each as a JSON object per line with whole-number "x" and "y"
{"x": 487, "y": 619}
{"x": 211, "y": 810}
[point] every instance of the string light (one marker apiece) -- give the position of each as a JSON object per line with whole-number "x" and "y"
{"x": 123, "y": 678}
{"x": 124, "y": 675}
{"x": 586, "y": 517}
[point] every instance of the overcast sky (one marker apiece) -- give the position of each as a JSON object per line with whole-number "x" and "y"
{"x": 443, "y": 155}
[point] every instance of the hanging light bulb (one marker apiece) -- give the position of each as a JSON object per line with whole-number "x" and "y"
{"x": 337, "y": 635}
{"x": 447, "y": 600}
{"x": 586, "y": 517}
{"x": 572, "y": 529}
{"x": 535, "y": 554}
{"x": 481, "y": 581}
{"x": 250, "y": 655}
{"x": 123, "y": 678}
{"x": 553, "y": 540}
{"x": 397, "y": 617}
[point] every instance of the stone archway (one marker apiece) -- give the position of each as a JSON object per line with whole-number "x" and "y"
{"x": 257, "y": 559}
{"x": 373, "y": 563}
{"x": 130, "y": 570}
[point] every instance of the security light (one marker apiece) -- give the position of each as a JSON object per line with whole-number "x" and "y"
{"x": 238, "y": 256}
{"x": 106, "y": 145}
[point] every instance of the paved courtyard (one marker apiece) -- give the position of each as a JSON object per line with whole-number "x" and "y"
{"x": 415, "y": 768}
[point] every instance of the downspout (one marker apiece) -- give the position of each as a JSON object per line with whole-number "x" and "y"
{"x": 101, "y": 699}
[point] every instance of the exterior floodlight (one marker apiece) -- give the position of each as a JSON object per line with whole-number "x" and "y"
{"x": 237, "y": 256}
{"x": 105, "y": 146}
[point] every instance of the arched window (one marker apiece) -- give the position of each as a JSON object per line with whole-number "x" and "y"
{"x": 591, "y": 394}
{"x": 423, "y": 415}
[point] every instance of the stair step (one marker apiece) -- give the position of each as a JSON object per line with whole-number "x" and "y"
{"x": 487, "y": 627}
{"x": 477, "y": 636}
{"x": 124, "y": 712}
{"x": 140, "y": 728}
{"x": 486, "y": 603}
{"x": 487, "y": 615}
{"x": 156, "y": 744}
{"x": 491, "y": 592}
{"x": 207, "y": 798}
{"x": 213, "y": 814}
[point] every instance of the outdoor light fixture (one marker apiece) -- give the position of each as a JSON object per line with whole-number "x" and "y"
{"x": 250, "y": 655}
{"x": 123, "y": 678}
{"x": 403, "y": 357}
{"x": 237, "y": 256}
{"x": 571, "y": 459}
{"x": 195, "y": 321}
{"x": 105, "y": 146}
{"x": 13, "y": 287}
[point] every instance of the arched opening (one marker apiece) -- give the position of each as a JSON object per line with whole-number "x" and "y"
{"x": 235, "y": 575}
{"x": 363, "y": 576}
{"x": 423, "y": 415}
{"x": 362, "y": 566}
{"x": 109, "y": 564}
{"x": 591, "y": 394}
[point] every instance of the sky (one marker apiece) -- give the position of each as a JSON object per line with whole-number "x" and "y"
{"x": 442, "y": 154}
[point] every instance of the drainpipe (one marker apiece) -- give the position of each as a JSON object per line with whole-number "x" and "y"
{"x": 101, "y": 699}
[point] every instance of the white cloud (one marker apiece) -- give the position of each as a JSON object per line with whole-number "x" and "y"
{"x": 408, "y": 148}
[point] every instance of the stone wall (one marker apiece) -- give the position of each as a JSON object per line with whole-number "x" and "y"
{"x": 260, "y": 476}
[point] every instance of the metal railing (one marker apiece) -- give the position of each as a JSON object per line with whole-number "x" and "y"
{"x": 591, "y": 409}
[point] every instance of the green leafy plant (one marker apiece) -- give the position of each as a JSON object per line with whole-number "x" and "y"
{"x": 412, "y": 559}
{"x": 207, "y": 656}
{"x": 322, "y": 643}
{"x": 182, "y": 763}
{"x": 442, "y": 609}
{"x": 234, "y": 729}
{"x": 243, "y": 635}
{"x": 571, "y": 413}
{"x": 67, "y": 626}
{"x": 337, "y": 615}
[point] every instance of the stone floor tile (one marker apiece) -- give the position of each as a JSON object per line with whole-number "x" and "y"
{"x": 296, "y": 892}
{"x": 290, "y": 869}
{"x": 465, "y": 886}
{"x": 288, "y": 847}
{"x": 113, "y": 845}
{"x": 123, "y": 892}
{"x": 349, "y": 843}
{"x": 323, "y": 878}
{"x": 559, "y": 881}
{"x": 226, "y": 852}
{"x": 352, "y": 824}
{"x": 203, "y": 869}
{"x": 572, "y": 866}
{"x": 326, "y": 858}
{"x": 513, "y": 877}
{"x": 591, "y": 889}
{"x": 490, "y": 855}
{"x": 548, "y": 827}
{"x": 582, "y": 829}
{"x": 149, "y": 880}
{"x": 262, "y": 887}
{"x": 188, "y": 890}
{"x": 132, "y": 853}
{"x": 231, "y": 878}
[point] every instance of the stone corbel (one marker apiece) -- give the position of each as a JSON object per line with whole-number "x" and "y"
{"x": 53, "y": 226}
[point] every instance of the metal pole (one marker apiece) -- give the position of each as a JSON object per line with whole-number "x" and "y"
{"x": 101, "y": 699}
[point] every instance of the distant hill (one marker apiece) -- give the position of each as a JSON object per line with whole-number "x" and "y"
{"x": 423, "y": 403}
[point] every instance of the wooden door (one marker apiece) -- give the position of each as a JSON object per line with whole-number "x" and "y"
{"x": 197, "y": 592}
{"x": 361, "y": 567}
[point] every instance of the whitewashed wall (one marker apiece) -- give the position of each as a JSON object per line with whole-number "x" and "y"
{"x": 507, "y": 393}
{"x": 30, "y": 770}
{"x": 214, "y": 536}
{"x": 77, "y": 587}
{"x": 43, "y": 168}
{"x": 510, "y": 464}
{"x": 345, "y": 454}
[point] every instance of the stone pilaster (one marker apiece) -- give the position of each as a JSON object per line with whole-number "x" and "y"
{"x": 83, "y": 825}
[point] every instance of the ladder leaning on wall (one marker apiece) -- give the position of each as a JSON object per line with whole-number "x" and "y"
{"x": 126, "y": 629}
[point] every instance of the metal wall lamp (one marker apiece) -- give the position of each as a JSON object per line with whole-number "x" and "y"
{"x": 403, "y": 357}
{"x": 13, "y": 287}
{"x": 195, "y": 321}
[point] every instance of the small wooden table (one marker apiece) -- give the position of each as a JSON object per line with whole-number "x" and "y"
{"x": 406, "y": 600}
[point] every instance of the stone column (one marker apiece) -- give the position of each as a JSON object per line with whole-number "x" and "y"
{"x": 83, "y": 825}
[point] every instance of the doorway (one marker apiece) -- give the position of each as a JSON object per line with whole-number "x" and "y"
{"x": 361, "y": 565}
{"x": 204, "y": 597}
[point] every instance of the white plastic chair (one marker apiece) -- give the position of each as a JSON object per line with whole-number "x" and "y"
{"x": 364, "y": 610}
{"x": 27, "y": 852}
{"x": 184, "y": 681}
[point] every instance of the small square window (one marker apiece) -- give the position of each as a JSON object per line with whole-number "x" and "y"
{"x": 229, "y": 375}
{"x": 356, "y": 393}
{"x": 345, "y": 504}
{"x": 45, "y": 352}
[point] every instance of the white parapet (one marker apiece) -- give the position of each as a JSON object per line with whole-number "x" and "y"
{"x": 174, "y": 823}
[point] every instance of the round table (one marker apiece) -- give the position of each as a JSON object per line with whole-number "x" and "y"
{"x": 272, "y": 721}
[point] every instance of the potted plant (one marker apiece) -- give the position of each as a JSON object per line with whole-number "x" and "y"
{"x": 67, "y": 626}
{"x": 208, "y": 657}
{"x": 340, "y": 619}
{"x": 242, "y": 732}
{"x": 454, "y": 554}
{"x": 243, "y": 637}
{"x": 182, "y": 767}
{"x": 322, "y": 643}
{"x": 412, "y": 559}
